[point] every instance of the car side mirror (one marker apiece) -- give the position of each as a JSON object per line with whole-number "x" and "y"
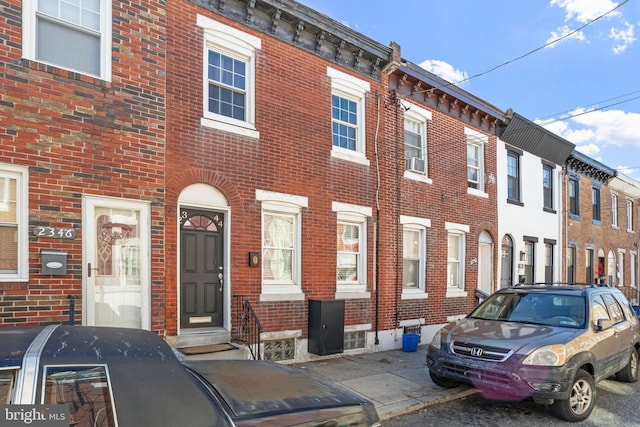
{"x": 603, "y": 324}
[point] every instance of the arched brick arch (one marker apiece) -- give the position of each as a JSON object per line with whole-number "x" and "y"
{"x": 205, "y": 176}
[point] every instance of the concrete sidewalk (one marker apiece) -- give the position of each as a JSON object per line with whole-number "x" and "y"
{"x": 396, "y": 382}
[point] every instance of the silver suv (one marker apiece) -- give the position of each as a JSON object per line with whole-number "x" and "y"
{"x": 546, "y": 342}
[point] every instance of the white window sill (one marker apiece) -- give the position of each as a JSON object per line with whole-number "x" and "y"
{"x": 351, "y": 156}
{"x": 414, "y": 294}
{"x": 478, "y": 193}
{"x": 417, "y": 177}
{"x": 247, "y": 131}
{"x": 352, "y": 295}
{"x": 269, "y": 297}
{"x": 455, "y": 293}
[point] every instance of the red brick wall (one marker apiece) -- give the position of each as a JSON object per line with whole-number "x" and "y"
{"x": 293, "y": 156}
{"x": 81, "y": 135}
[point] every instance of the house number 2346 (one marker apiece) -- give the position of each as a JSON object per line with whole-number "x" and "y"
{"x": 55, "y": 232}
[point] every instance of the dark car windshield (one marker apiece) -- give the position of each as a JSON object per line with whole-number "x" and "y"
{"x": 543, "y": 309}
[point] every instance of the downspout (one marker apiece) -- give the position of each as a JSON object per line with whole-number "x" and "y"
{"x": 377, "y": 227}
{"x": 396, "y": 104}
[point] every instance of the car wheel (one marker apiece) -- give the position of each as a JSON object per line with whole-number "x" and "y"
{"x": 581, "y": 400}
{"x": 442, "y": 382}
{"x": 629, "y": 374}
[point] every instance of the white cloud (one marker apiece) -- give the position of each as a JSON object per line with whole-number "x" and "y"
{"x": 624, "y": 38}
{"x": 613, "y": 135}
{"x": 562, "y": 33}
{"x": 584, "y": 11}
{"x": 580, "y": 12}
{"x": 445, "y": 70}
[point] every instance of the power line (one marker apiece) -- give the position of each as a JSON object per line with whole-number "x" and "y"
{"x": 534, "y": 50}
{"x": 588, "y": 111}
{"x": 550, "y": 116}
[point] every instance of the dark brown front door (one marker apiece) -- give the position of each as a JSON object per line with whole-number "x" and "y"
{"x": 201, "y": 268}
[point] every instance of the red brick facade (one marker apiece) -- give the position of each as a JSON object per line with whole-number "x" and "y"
{"x": 81, "y": 135}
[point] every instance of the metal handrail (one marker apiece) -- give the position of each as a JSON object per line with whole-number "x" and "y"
{"x": 248, "y": 329}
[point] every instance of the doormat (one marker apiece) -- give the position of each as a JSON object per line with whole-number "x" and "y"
{"x": 202, "y": 349}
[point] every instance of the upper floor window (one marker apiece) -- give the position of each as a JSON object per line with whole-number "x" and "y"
{"x": 281, "y": 242}
{"x": 629, "y": 215}
{"x": 547, "y": 186}
{"x": 415, "y": 139}
{"x": 513, "y": 176}
{"x": 71, "y": 34}
{"x": 351, "y": 247}
{"x": 574, "y": 196}
{"x": 229, "y": 78}
{"x": 595, "y": 202}
{"x": 414, "y": 250}
{"x": 614, "y": 210}
{"x": 14, "y": 223}
{"x": 475, "y": 160}
{"x": 347, "y": 114}
{"x": 456, "y": 249}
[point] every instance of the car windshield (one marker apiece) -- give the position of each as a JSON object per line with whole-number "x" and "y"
{"x": 542, "y": 309}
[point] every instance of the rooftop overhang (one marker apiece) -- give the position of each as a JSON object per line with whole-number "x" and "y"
{"x": 585, "y": 165}
{"x": 533, "y": 138}
{"x": 415, "y": 83}
{"x": 626, "y": 185}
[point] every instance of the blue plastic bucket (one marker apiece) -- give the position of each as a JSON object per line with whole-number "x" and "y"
{"x": 410, "y": 342}
{"x": 636, "y": 308}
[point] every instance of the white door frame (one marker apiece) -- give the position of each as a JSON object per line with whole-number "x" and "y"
{"x": 89, "y": 204}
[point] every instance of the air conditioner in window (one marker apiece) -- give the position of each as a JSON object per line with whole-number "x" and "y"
{"x": 416, "y": 164}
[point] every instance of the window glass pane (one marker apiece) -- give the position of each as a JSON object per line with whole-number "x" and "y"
{"x": 53, "y": 43}
{"x": 86, "y": 390}
{"x": 411, "y": 258}
{"x": 348, "y": 252}
{"x": 278, "y": 246}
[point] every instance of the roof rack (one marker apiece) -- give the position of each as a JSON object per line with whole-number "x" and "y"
{"x": 576, "y": 284}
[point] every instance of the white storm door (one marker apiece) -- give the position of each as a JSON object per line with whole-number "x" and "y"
{"x": 485, "y": 267}
{"x": 116, "y": 268}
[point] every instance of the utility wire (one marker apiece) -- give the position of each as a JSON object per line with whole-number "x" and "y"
{"x": 534, "y": 50}
{"x": 551, "y": 116}
{"x": 561, "y": 119}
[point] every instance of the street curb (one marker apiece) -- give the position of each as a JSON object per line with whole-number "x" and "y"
{"x": 405, "y": 409}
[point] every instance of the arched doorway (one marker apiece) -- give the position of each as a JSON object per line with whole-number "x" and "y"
{"x": 203, "y": 236}
{"x": 506, "y": 262}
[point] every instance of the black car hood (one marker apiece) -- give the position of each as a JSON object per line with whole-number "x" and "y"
{"x": 258, "y": 387}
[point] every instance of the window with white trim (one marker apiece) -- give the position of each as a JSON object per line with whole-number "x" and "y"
{"x": 347, "y": 113}
{"x": 229, "y": 78}
{"x": 414, "y": 255}
{"x": 456, "y": 243}
{"x": 632, "y": 269}
{"x": 14, "y": 223}
{"x": 281, "y": 242}
{"x": 52, "y": 27}
{"x": 415, "y": 139}
{"x": 614, "y": 210}
{"x": 351, "y": 247}
{"x": 629, "y": 215}
{"x": 475, "y": 160}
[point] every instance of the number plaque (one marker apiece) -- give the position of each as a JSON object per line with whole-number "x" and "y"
{"x": 55, "y": 232}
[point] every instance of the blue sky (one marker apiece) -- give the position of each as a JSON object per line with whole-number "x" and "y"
{"x": 585, "y": 87}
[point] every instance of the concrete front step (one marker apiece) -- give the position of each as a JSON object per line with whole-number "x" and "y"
{"x": 224, "y": 351}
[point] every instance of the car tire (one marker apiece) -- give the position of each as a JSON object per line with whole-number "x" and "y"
{"x": 442, "y": 382}
{"x": 629, "y": 374}
{"x": 581, "y": 400}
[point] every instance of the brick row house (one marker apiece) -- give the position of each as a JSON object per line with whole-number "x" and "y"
{"x": 602, "y": 225}
{"x": 82, "y": 162}
{"x": 212, "y": 159}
